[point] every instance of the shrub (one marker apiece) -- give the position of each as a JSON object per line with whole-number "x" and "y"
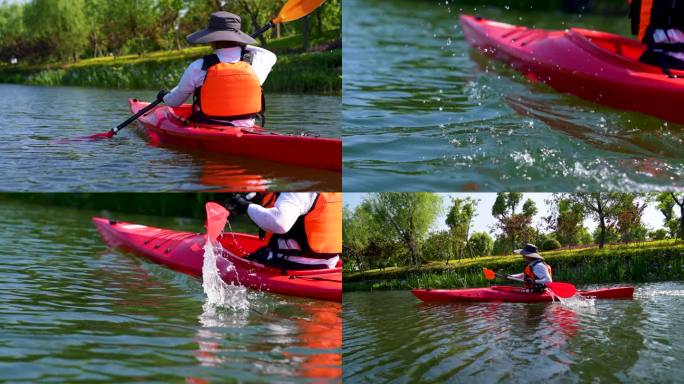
{"x": 550, "y": 245}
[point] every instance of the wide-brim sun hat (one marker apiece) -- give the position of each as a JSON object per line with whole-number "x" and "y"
{"x": 530, "y": 251}
{"x": 223, "y": 26}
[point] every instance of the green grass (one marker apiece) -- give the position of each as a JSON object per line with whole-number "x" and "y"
{"x": 639, "y": 262}
{"x": 315, "y": 72}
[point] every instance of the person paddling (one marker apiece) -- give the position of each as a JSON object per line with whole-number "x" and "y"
{"x": 660, "y": 25}
{"x": 537, "y": 273}
{"x": 302, "y": 230}
{"x": 226, "y": 85}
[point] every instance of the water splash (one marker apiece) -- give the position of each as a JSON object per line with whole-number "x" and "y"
{"x": 575, "y": 302}
{"x": 219, "y": 293}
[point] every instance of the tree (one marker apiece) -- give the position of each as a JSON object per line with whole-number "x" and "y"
{"x": 60, "y": 24}
{"x": 666, "y": 203}
{"x": 608, "y": 236}
{"x": 459, "y": 219}
{"x": 516, "y": 227}
{"x": 602, "y": 207}
{"x": 256, "y": 13}
{"x": 481, "y": 244}
{"x": 439, "y": 246}
{"x": 405, "y": 217}
{"x": 566, "y": 220}
{"x": 658, "y": 234}
{"x": 629, "y": 212}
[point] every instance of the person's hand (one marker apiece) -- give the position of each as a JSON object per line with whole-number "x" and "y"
{"x": 238, "y": 204}
{"x": 161, "y": 94}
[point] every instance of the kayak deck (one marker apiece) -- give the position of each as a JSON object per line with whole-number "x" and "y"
{"x": 512, "y": 294}
{"x": 595, "y": 66}
{"x": 184, "y": 252}
{"x": 167, "y": 125}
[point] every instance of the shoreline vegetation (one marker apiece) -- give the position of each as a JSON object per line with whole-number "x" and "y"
{"x": 142, "y": 45}
{"x": 309, "y": 72}
{"x": 621, "y": 263}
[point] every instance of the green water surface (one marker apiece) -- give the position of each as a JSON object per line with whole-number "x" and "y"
{"x": 73, "y": 311}
{"x": 393, "y": 337}
{"x": 421, "y": 111}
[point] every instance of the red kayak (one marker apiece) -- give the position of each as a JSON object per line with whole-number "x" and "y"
{"x": 167, "y": 125}
{"x": 512, "y": 294}
{"x": 183, "y": 252}
{"x": 596, "y": 66}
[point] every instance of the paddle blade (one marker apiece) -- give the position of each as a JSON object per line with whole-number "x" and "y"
{"x": 489, "y": 274}
{"x": 216, "y": 220}
{"x": 98, "y": 136}
{"x": 296, "y": 9}
{"x": 562, "y": 290}
{"x": 107, "y": 135}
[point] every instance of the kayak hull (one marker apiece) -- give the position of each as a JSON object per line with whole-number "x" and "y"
{"x": 595, "y": 66}
{"x": 184, "y": 252}
{"x": 512, "y": 294}
{"x": 165, "y": 125}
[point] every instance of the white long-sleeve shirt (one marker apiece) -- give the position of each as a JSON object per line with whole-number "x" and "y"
{"x": 670, "y": 36}
{"x": 282, "y": 216}
{"x": 539, "y": 270}
{"x": 193, "y": 77}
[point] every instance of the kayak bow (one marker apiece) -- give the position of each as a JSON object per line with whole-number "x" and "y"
{"x": 167, "y": 125}
{"x": 512, "y": 294}
{"x": 595, "y": 66}
{"x": 184, "y": 252}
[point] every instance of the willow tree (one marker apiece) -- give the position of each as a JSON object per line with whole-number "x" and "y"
{"x": 405, "y": 217}
{"x": 460, "y": 219}
{"x": 59, "y": 25}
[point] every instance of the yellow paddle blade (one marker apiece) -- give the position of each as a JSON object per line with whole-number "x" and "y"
{"x": 489, "y": 274}
{"x": 296, "y": 9}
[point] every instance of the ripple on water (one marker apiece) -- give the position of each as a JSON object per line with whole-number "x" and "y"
{"x": 390, "y": 336}
{"x": 421, "y": 109}
{"x": 72, "y": 310}
{"x": 35, "y": 156}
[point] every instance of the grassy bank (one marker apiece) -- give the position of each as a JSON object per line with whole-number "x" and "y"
{"x": 651, "y": 261}
{"x": 314, "y": 72}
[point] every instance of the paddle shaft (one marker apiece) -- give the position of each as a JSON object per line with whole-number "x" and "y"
{"x": 263, "y": 29}
{"x": 135, "y": 117}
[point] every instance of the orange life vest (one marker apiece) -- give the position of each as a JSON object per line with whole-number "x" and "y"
{"x": 648, "y": 15}
{"x": 319, "y": 231}
{"x": 530, "y": 275}
{"x": 231, "y": 91}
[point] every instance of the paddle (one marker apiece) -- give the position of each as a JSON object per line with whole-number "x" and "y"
{"x": 112, "y": 132}
{"x": 217, "y": 216}
{"x": 562, "y": 290}
{"x": 292, "y": 10}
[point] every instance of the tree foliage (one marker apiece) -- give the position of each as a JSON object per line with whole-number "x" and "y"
{"x": 666, "y": 204}
{"x": 50, "y": 30}
{"x": 516, "y": 228}
{"x": 393, "y": 229}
